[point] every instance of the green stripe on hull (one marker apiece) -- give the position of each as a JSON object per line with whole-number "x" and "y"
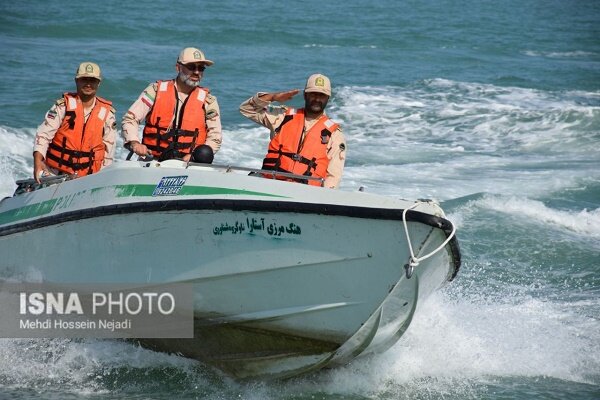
{"x": 29, "y": 211}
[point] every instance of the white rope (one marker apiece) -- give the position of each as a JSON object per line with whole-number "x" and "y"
{"x": 414, "y": 261}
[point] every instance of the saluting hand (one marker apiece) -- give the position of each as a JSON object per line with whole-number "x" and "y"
{"x": 280, "y": 97}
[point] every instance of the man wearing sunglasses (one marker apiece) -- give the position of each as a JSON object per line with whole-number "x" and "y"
{"x": 303, "y": 141}
{"x": 182, "y": 118}
{"x": 79, "y": 131}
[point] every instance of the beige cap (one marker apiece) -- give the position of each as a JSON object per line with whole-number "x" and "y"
{"x": 318, "y": 83}
{"x": 88, "y": 70}
{"x": 192, "y": 55}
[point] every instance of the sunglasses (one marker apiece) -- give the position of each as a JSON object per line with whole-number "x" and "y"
{"x": 88, "y": 80}
{"x": 194, "y": 67}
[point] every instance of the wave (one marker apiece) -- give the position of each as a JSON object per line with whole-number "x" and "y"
{"x": 458, "y": 138}
{"x": 332, "y": 46}
{"x": 475, "y": 117}
{"x": 465, "y": 340}
{"x": 84, "y": 366}
{"x": 15, "y": 161}
{"x": 583, "y": 222}
{"x": 560, "y": 54}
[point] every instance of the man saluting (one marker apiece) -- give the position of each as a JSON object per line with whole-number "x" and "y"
{"x": 304, "y": 141}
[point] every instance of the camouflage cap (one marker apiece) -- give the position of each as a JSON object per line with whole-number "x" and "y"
{"x": 318, "y": 83}
{"x": 88, "y": 70}
{"x": 192, "y": 55}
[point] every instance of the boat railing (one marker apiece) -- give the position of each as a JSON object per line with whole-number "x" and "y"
{"x": 229, "y": 168}
{"x": 262, "y": 173}
{"x": 29, "y": 185}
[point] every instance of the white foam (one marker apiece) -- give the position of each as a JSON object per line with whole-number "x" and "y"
{"x": 324, "y": 46}
{"x": 245, "y": 145}
{"x": 476, "y": 117}
{"x": 15, "y": 160}
{"x": 585, "y": 222}
{"x": 559, "y": 54}
{"x": 472, "y": 337}
{"x": 78, "y": 366}
{"x": 455, "y": 345}
{"x": 446, "y": 139}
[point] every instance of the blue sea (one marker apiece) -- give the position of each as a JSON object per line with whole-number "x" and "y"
{"x": 490, "y": 107}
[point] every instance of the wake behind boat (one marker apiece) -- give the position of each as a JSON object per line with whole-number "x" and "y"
{"x": 288, "y": 278}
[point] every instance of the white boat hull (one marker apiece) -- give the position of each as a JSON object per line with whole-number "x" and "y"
{"x": 287, "y": 278}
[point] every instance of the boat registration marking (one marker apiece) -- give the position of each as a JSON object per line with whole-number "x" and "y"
{"x": 257, "y": 225}
{"x": 169, "y": 186}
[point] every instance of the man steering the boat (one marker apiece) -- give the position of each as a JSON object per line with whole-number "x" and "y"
{"x": 79, "y": 131}
{"x": 182, "y": 118}
{"x": 303, "y": 141}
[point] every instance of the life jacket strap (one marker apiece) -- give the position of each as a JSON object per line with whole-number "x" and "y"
{"x": 286, "y": 119}
{"x": 72, "y": 153}
{"x": 75, "y": 166}
{"x": 174, "y": 147}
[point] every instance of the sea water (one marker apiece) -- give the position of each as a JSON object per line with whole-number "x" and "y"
{"x": 490, "y": 107}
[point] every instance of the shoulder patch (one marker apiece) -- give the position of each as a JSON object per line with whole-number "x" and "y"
{"x": 112, "y": 110}
{"x": 342, "y": 147}
{"x": 60, "y": 102}
{"x": 210, "y": 99}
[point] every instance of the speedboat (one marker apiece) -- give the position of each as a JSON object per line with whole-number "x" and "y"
{"x": 287, "y": 278}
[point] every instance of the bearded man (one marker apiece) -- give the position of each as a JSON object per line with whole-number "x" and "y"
{"x": 181, "y": 117}
{"x": 303, "y": 141}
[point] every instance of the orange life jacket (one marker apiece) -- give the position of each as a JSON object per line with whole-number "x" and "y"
{"x": 160, "y": 136}
{"x": 77, "y": 145}
{"x": 287, "y": 152}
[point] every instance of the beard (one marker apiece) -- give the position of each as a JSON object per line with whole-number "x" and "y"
{"x": 315, "y": 106}
{"x": 185, "y": 78}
